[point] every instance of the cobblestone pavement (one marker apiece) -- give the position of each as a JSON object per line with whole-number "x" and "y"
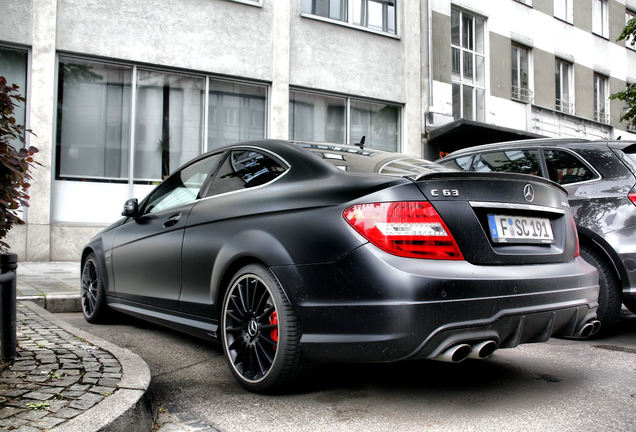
{"x": 56, "y": 376}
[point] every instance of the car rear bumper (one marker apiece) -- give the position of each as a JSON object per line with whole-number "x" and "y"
{"x": 371, "y": 306}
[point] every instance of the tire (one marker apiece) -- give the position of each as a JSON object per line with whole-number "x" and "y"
{"x": 609, "y": 298}
{"x": 93, "y": 294}
{"x": 260, "y": 333}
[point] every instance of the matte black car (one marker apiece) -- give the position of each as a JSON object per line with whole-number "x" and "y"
{"x": 293, "y": 253}
{"x": 600, "y": 177}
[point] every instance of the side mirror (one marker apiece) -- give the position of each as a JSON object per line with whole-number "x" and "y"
{"x": 131, "y": 208}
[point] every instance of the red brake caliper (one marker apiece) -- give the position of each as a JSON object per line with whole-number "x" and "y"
{"x": 273, "y": 319}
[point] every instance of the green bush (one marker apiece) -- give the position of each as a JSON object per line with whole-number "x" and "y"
{"x": 15, "y": 164}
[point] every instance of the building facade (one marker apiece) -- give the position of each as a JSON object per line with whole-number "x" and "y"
{"x": 121, "y": 93}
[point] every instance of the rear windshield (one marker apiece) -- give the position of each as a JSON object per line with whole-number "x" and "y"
{"x": 366, "y": 160}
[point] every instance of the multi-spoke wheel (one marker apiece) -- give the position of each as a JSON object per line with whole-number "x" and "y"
{"x": 92, "y": 290}
{"x": 260, "y": 332}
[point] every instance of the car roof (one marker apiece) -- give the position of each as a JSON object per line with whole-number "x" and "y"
{"x": 543, "y": 142}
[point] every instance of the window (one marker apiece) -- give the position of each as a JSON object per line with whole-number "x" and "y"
{"x": 372, "y": 14}
{"x": 236, "y": 112}
{"x": 468, "y": 65}
{"x": 167, "y": 122}
{"x": 182, "y": 187}
{"x": 341, "y": 120}
{"x": 95, "y": 108}
{"x": 564, "y": 86}
{"x": 245, "y": 169}
{"x": 460, "y": 163}
{"x": 601, "y": 98}
{"x": 515, "y": 161}
{"x": 521, "y": 73}
{"x": 630, "y": 42}
{"x": 563, "y": 10}
{"x": 564, "y": 167}
{"x": 13, "y": 66}
{"x": 93, "y": 120}
{"x": 600, "y": 21}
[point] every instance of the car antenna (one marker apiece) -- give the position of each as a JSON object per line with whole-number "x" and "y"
{"x": 361, "y": 143}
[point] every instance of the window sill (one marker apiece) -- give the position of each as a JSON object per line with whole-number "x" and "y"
{"x": 564, "y": 21}
{"x": 351, "y": 26}
{"x": 258, "y": 3}
{"x": 525, "y": 4}
{"x": 601, "y": 36}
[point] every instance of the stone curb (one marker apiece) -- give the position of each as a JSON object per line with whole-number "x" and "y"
{"x": 130, "y": 407}
{"x": 56, "y": 303}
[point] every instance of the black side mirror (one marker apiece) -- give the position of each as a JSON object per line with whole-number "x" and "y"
{"x": 131, "y": 208}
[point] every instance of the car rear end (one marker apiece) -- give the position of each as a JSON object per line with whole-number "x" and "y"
{"x": 451, "y": 264}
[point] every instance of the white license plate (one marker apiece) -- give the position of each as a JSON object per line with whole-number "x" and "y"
{"x": 520, "y": 229}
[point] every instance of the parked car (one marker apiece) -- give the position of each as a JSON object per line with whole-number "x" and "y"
{"x": 295, "y": 253}
{"x": 600, "y": 177}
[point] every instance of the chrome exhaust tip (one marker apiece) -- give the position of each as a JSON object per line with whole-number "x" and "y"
{"x": 483, "y": 350}
{"x": 455, "y": 354}
{"x": 589, "y": 328}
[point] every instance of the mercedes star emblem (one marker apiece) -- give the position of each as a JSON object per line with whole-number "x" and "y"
{"x": 528, "y": 193}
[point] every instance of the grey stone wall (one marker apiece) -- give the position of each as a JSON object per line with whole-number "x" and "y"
{"x": 545, "y": 6}
{"x": 583, "y": 14}
{"x": 543, "y": 78}
{"x": 616, "y": 106}
{"x": 441, "y": 48}
{"x": 616, "y": 20}
{"x": 500, "y": 66}
{"x": 17, "y": 21}
{"x": 584, "y": 91}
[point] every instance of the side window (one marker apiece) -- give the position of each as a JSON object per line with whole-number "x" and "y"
{"x": 244, "y": 169}
{"x": 183, "y": 186}
{"x": 565, "y": 168}
{"x": 460, "y": 163}
{"x": 514, "y": 161}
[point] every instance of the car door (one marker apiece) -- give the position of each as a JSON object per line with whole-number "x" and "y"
{"x": 147, "y": 249}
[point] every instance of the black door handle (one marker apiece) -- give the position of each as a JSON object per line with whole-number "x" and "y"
{"x": 172, "y": 220}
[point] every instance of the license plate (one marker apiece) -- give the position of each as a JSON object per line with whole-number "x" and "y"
{"x": 520, "y": 229}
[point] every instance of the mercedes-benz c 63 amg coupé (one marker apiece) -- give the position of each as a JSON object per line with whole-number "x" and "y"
{"x": 290, "y": 254}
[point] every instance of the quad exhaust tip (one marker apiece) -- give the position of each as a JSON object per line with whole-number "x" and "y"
{"x": 455, "y": 354}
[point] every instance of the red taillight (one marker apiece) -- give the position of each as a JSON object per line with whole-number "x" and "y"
{"x": 632, "y": 197}
{"x": 407, "y": 229}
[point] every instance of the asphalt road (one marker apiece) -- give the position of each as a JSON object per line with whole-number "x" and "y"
{"x": 562, "y": 385}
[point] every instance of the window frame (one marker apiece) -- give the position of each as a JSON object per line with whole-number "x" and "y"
{"x": 26, "y": 91}
{"x": 604, "y": 18}
{"x": 257, "y": 3}
{"x": 459, "y": 78}
{"x": 528, "y": 97}
{"x": 347, "y": 122}
{"x": 601, "y": 107}
{"x": 350, "y": 23}
{"x": 561, "y": 105}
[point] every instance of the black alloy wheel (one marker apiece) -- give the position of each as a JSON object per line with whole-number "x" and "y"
{"x": 260, "y": 333}
{"x": 609, "y": 296}
{"x": 92, "y": 291}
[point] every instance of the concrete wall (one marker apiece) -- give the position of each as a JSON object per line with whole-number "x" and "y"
{"x": 543, "y": 78}
{"x": 616, "y": 21}
{"x": 442, "y": 61}
{"x": 17, "y": 21}
{"x": 584, "y": 91}
{"x": 545, "y": 6}
{"x": 616, "y": 106}
{"x": 192, "y": 34}
{"x": 500, "y": 66}
{"x": 582, "y": 11}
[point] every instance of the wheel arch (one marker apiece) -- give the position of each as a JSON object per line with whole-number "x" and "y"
{"x": 249, "y": 247}
{"x": 96, "y": 248}
{"x": 590, "y": 239}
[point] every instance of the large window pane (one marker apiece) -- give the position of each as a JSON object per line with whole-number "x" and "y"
{"x": 467, "y": 96}
{"x": 93, "y": 121}
{"x": 13, "y": 66}
{"x": 168, "y": 122}
{"x": 379, "y": 123}
{"x": 455, "y": 27}
{"x": 314, "y": 117}
{"x": 457, "y": 101}
{"x": 236, "y": 112}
